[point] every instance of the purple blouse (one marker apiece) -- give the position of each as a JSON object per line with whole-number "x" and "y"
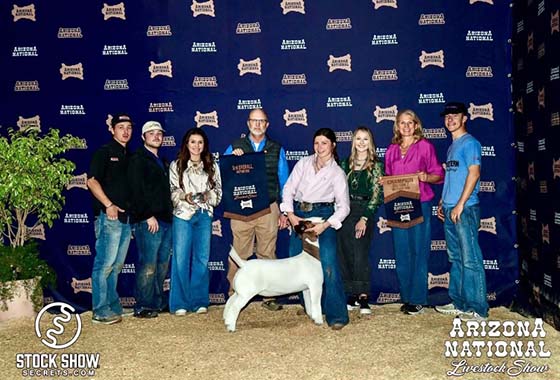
{"x": 421, "y": 156}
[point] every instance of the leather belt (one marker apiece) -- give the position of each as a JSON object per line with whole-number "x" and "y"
{"x": 306, "y": 206}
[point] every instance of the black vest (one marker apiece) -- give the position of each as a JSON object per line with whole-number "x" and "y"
{"x": 271, "y": 155}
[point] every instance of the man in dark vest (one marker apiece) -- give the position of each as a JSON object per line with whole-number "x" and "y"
{"x": 265, "y": 228}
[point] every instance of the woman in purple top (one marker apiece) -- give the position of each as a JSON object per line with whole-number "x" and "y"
{"x": 410, "y": 153}
{"x": 317, "y": 187}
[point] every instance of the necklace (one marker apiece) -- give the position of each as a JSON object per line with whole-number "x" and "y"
{"x": 355, "y": 179}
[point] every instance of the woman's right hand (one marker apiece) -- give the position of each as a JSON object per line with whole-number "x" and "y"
{"x": 294, "y": 219}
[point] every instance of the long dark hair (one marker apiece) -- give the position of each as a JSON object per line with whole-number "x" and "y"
{"x": 328, "y": 133}
{"x": 185, "y": 155}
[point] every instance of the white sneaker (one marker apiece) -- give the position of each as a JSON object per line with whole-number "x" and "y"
{"x": 201, "y": 310}
{"x": 181, "y": 312}
{"x": 448, "y": 309}
{"x": 471, "y": 316}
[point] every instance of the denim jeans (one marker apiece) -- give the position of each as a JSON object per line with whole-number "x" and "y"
{"x": 154, "y": 250}
{"x": 412, "y": 252}
{"x": 190, "y": 276}
{"x": 467, "y": 283}
{"x": 111, "y": 246}
{"x": 333, "y": 299}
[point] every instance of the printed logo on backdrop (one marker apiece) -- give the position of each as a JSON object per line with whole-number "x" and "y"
{"x": 384, "y": 39}
{"x": 338, "y": 24}
{"x": 293, "y": 44}
{"x": 479, "y": 72}
{"x": 479, "y": 36}
{"x": 210, "y": 119}
{"x": 26, "y": 85}
{"x": 382, "y": 225}
{"x": 248, "y": 28}
{"x": 388, "y": 297}
{"x": 217, "y": 298}
{"x": 81, "y": 218}
{"x": 540, "y": 98}
{"x": 384, "y": 264}
{"x": 384, "y": 3}
{"x": 164, "y": 69}
{"x": 488, "y": 225}
{"x": 338, "y": 102}
{"x": 545, "y": 231}
{"x": 72, "y": 71}
{"x": 78, "y": 250}
{"x": 116, "y": 84}
{"x": 438, "y": 281}
{"x": 216, "y": 266}
{"x": 24, "y": 13}
{"x": 555, "y": 168}
{"x": 248, "y": 104}
{"x": 532, "y": 215}
{"x": 36, "y": 232}
{"x": 294, "y": 80}
{"x": 541, "y": 51}
{"x": 339, "y": 63}
{"x": 554, "y": 73}
{"x": 64, "y": 33}
{"x": 388, "y": 113}
{"x": 496, "y": 339}
{"x": 295, "y": 117}
{"x": 217, "y": 228}
{"x": 205, "y": 8}
{"x": 436, "y": 58}
{"x": 249, "y": 67}
{"x": 541, "y": 145}
{"x": 296, "y": 155}
{"x": 79, "y": 181}
{"x": 343, "y": 136}
{"x": 543, "y": 187}
{"x": 435, "y": 133}
{"x": 113, "y": 11}
{"x": 168, "y": 141}
{"x": 484, "y": 111}
{"x": 488, "y": 151}
{"x": 114, "y": 50}
{"x": 491, "y": 2}
{"x": 555, "y": 22}
{"x": 293, "y": 6}
{"x": 431, "y": 98}
{"x": 491, "y": 264}
{"x": 530, "y": 42}
{"x": 431, "y": 19}
{"x": 31, "y": 123}
{"x": 159, "y": 31}
{"x": 163, "y": 107}
{"x": 204, "y": 47}
{"x": 381, "y": 75}
{"x": 72, "y": 109}
{"x": 128, "y": 268}
{"x": 127, "y": 301}
{"x": 555, "y": 119}
{"x": 81, "y": 144}
{"x": 487, "y": 187}
{"x": 520, "y": 26}
{"x": 25, "y": 51}
{"x": 438, "y": 245}
{"x": 205, "y": 81}
{"x": 380, "y": 152}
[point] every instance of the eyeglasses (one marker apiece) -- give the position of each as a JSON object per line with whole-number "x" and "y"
{"x": 258, "y": 121}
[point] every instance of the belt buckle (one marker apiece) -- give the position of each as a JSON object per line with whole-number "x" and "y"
{"x": 305, "y": 206}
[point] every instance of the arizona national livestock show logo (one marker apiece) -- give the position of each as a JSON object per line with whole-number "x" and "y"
{"x": 55, "y": 364}
{"x": 24, "y": 13}
{"x": 295, "y": 117}
{"x": 164, "y": 69}
{"x": 210, "y": 119}
{"x": 205, "y": 8}
{"x": 113, "y": 11}
{"x": 249, "y": 67}
{"x": 31, "y": 123}
{"x": 432, "y": 59}
{"x": 297, "y": 6}
{"x": 387, "y": 113}
{"x": 340, "y": 63}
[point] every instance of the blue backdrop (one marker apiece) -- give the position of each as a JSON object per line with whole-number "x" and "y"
{"x": 310, "y": 64}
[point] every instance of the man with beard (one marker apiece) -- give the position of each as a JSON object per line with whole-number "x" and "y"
{"x": 265, "y": 228}
{"x": 151, "y": 211}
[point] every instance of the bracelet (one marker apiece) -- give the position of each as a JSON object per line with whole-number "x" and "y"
{"x": 364, "y": 218}
{"x": 110, "y": 204}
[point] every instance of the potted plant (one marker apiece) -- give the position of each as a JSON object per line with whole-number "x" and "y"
{"x": 32, "y": 178}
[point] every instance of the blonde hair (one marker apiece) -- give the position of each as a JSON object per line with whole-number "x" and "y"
{"x": 371, "y": 158}
{"x": 418, "y": 131}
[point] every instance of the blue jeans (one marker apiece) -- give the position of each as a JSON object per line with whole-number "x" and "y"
{"x": 190, "y": 277}
{"x": 412, "y": 251}
{"x": 154, "y": 250}
{"x": 111, "y": 246}
{"x": 467, "y": 283}
{"x": 333, "y": 299}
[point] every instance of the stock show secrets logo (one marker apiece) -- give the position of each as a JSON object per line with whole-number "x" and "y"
{"x": 59, "y": 333}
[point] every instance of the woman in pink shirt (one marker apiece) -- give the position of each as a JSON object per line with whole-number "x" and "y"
{"x": 411, "y": 153}
{"x": 317, "y": 187}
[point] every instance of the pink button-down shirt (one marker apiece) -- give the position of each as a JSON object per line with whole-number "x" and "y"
{"x": 327, "y": 185}
{"x": 421, "y": 156}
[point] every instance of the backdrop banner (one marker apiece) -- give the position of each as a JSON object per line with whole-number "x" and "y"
{"x": 245, "y": 193}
